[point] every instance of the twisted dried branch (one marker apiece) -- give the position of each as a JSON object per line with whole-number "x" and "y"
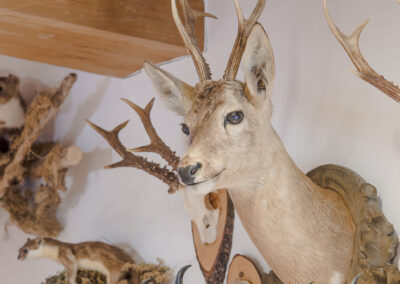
{"x": 43, "y": 108}
{"x": 34, "y": 210}
{"x": 364, "y": 71}
{"x": 156, "y": 146}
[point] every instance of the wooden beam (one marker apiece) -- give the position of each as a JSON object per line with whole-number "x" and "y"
{"x": 100, "y": 36}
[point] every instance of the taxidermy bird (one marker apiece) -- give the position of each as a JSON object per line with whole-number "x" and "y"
{"x": 12, "y": 108}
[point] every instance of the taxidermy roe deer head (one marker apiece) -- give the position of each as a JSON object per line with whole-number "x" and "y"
{"x": 323, "y": 227}
{"x": 304, "y": 232}
{"x": 224, "y": 118}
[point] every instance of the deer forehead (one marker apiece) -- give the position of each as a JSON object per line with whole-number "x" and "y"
{"x": 211, "y": 98}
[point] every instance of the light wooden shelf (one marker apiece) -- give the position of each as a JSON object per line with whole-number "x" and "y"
{"x": 100, "y": 36}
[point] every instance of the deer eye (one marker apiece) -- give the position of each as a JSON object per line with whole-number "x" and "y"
{"x": 234, "y": 117}
{"x": 25, "y": 251}
{"x": 185, "y": 129}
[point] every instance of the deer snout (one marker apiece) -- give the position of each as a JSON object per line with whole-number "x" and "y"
{"x": 188, "y": 173}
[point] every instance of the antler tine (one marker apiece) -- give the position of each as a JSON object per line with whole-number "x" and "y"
{"x": 187, "y": 33}
{"x": 157, "y": 145}
{"x": 190, "y": 16}
{"x": 131, "y": 160}
{"x": 364, "y": 71}
{"x": 244, "y": 29}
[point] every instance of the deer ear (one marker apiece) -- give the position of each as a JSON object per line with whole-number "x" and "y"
{"x": 176, "y": 94}
{"x": 258, "y": 64}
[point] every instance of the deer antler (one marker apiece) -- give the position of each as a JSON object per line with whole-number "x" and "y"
{"x": 244, "y": 29}
{"x": 156, "y": 146}
{"x": 187, "y": 33}
{"x": 364, "y": 71}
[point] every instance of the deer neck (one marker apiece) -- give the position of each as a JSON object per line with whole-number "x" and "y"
{"x": 297, "y": 226}
{"x": 271, "y": 172}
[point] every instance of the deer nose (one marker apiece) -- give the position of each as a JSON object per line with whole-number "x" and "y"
{"x": 188, "y": 173}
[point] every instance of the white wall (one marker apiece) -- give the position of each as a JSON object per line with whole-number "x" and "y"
{"x": 323, "y": 113}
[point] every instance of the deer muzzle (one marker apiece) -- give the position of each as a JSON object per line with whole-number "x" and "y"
{"x": 188, "y": 173}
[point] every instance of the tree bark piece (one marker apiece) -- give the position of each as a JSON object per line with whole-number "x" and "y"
{"x": 213, "y": 258}
{"x": 270, "y": 278}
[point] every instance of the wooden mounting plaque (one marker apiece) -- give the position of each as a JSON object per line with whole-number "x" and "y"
{"x": 213, "y": 258}
{"x": 100, "y": 36}
{"x": 243, "y": 269}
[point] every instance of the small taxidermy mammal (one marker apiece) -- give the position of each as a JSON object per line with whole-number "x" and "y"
{"x": 12, "y": 108}
{"x": 97, "y": 256}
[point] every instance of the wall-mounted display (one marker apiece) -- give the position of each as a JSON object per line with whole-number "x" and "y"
{"x": 306, "y": 230}
{"x": 32, "y": 172}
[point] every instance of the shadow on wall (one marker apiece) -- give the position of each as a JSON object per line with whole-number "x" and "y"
{"x": 92, "y": 161}
{"x": 132, "y": 252}
{"x": 397, "y": 138}
{"x": 86, "y": 110}
{"x": 344, "y": 135}
{"x": 29, "y": 88}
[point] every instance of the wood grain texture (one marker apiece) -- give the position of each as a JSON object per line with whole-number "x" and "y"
{"x": 213, "y": 259}
{"x": 243, "y": 269}
{"x": 106, "y": 37}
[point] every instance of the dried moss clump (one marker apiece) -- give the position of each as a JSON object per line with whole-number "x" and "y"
{"x": 160, "y": 273}
{"x": 31, "y": 172}
{"x": 35, "y": 213}
{"x": 83, "y": 277}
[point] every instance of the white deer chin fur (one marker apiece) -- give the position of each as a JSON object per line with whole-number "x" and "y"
{"x": 206, "y": 220}
{"x": 12, "y": 114}
{"x": 205, "y": 187}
